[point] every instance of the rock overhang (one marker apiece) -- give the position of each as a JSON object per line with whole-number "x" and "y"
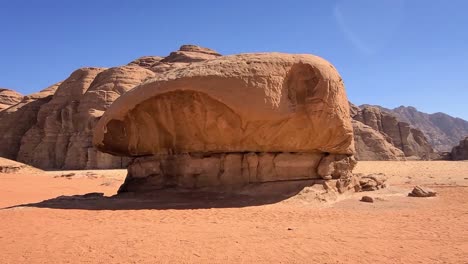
{"x": 302, "y": 94}
{"x": 232, "y": 120}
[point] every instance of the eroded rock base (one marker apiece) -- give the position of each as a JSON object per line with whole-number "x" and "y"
{"x": 230, "y": 171}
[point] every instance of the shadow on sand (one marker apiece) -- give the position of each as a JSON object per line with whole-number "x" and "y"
{"x": 255, "y": 195}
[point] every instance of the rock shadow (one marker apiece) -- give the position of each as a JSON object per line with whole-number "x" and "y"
{"x": 252, "y": 195}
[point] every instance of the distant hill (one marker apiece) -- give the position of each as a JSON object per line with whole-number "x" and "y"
{"x": 442, "y": 131}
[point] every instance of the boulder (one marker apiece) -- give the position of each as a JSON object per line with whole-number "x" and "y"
{"x": 460, "y": 152}
{"x": 372, "y": 182}
{"x": 367, "y": 199}
{"x": 230, "y": 121}
{"x": 419, "y": 191}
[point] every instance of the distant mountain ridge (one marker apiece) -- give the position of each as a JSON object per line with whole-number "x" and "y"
{"x": 442, "y": 131}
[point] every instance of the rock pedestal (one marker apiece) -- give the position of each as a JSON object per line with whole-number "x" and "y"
{"x": 231, "y": 170}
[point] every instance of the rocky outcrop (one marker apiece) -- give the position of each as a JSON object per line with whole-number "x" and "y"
{"x": 146, "y": 61}
{"x": 231, "y": 121}
{"x": 61, "y": 136}
{"x": 191, "y": 53}
{"x": 16, "y": 120}
{"x": 411, "y": 141}
{"x": 8, "y": 98}
{"x": 460, "y": 152}
{"x": 373, "y": 145}
{"x": 442, "y": 131}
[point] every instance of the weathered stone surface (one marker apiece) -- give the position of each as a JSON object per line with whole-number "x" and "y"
{"x": 372, "y": 145}
{"x": 202, "y": 107}
{"x": 336, "y": 166}
{"x": 372, "y": 182}
{"x": 460, "y": 152}
{"x": 411, "y": 141}
{"x": 229, "y": 121}
{"x": 146, "y": 61}
{"x": 57, "y": 134}
{"x": 8, "y": 98}
{"x": 61, "y": 137}
{"x": 230, "y": 170}
{"x": 206, "y": 103}
{"x": 16, "y": 120}
{"x": 191, "y": 53}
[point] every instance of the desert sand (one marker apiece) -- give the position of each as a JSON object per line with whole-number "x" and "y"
{"x": 92, "y": 229}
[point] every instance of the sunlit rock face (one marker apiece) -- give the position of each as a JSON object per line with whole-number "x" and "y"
{"x": 60, "y": 134}
{"x": 228, "y": 121}
{"x": 8, "y": 98}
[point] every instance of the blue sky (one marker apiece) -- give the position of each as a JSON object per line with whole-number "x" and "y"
{"x": 389, "y": 52}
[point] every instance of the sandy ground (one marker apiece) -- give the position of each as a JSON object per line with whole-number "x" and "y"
{"x": 394, "y": 229}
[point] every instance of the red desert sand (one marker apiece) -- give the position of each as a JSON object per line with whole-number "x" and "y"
{"x": 93, "y": 229}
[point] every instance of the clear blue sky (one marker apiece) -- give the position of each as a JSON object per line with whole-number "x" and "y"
{"x": 389, "y": 52}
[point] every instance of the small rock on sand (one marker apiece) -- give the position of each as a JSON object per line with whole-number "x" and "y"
{"x": 367, "y": 199}
{"x": 419, "y": 191}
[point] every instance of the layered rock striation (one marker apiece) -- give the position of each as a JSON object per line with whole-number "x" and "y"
{"x": 8, "y": 98}
{"x": 17, "y": 119}
{"x": 61, "y": 136}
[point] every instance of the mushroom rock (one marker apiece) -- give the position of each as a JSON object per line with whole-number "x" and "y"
{"x": 228, "y": 121}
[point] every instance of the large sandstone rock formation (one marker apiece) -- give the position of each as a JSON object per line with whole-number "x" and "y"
{"x": 373, "y": 145}
{"x": 16, "y": 120}
{"x": 460, "y": 152}
{"x": 411, "y": 141}
{"x": 9, "y": 98}
{"x": 53, "y": 128}
{"x": 61, "y": 136}
{"x": 229, "y": 121}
